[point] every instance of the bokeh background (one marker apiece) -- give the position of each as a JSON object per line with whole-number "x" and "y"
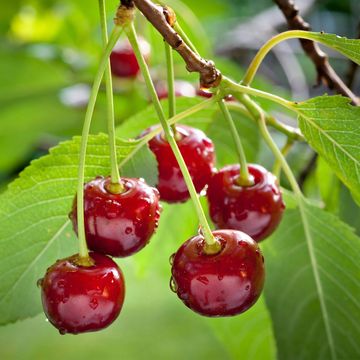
{"x": 49, "y": 51}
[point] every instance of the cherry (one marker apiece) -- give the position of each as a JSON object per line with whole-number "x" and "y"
{"x": 199, "y": 156}
{"x": 79, "y": 299}
{"x": 255, "y": 210}
{"x": 118, "y": 224}
{"x": 182, "y": 88}
{"x": 224, "y": 284}
{"x": 123, "y": 60}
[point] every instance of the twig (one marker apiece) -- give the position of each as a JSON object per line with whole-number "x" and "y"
{"x": 156, "y": 14}
{"x": 326, "y": 74}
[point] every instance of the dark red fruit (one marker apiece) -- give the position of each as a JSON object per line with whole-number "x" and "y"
{"x": 182, "y": 88}
{"x": 79, "y": 299}
{"x": 224, "y": 284}
{"x": 199, "y": 156}
{"x": 123, "y": 60}
{"x": 119, "y": 224}
{"x": 255, "y": 210}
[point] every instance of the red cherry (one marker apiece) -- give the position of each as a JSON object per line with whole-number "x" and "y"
{"x": 224, "y": 284}
{"x": 182, "y": 88}
{"x": 79, "y": 299}
{"x": 255, "y": 210}
{"x": 123, "y": 60}
{"x": 199, "y": 156}
{"x": 118, "y": 224}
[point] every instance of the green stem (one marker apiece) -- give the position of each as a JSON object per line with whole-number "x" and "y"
{"x": 258, "y": 114}
{"x": 245, "y": 179}
{"x": 237, "y": 90}
{"x": 183, "y": 35}
{"x": 265, "y": 49}
{"x": 116, "y": 185}
{"x": 83, "y": 250}
{"x": 291, "y": 132}
{"x": 171, "y": 83}
{"x": 209, "y": 237}
{"x": 285, "y": 150}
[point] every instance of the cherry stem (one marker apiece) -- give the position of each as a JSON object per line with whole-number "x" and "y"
{"x": 245, "y": 179}
{"x": 259, "y": 115}
{"x": 83, "y": 250}
{"x": 209, "y": 237}
{"x": 266, "y": 48}
{"x": 184, "y": 36}
{"x": 171, "y": 83}
{"x": 285, "y": 150}
{"x": 116, "y": 183}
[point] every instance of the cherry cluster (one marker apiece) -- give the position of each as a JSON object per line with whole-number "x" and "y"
{"x": 81, "y": 297}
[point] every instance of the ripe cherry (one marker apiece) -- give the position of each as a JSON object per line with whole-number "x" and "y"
{"x": 255, "y": 210}
{"x": 118, "y": 224}
{"x": 123, "y": 60}
{"x": 79, "y": 299}
{"x": 199, "y": 156}
{"x": 182, "y": 88}
{"x": 224, "y": 284}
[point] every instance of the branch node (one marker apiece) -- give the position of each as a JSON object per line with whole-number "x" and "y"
{"x": 125, "y": 13}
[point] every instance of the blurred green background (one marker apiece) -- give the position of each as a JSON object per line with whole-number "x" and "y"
{"x": 48, "y": 55}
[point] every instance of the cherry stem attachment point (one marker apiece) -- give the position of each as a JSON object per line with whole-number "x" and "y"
{"x": 115, "y": 174}
{"x": 83, "y": 250}
{"x": 245, "y": 179}
{"x": 131, "y": 34}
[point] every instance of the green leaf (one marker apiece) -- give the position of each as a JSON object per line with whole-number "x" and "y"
{"x": 348, "y": 47}
{"x": 249, "y": 335}
{"x": 331, "y": 126}
{"x": 34, "y": 225}
{"x": 312, "y": 288}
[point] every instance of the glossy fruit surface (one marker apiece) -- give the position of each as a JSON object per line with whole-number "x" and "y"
{"x": 198, "y": 152}
{"x": 79, "y": 299}
{"x": 255, "y": 210}
{"x": 224, "y": 284}
{"x": 119, "y": 224}
{"x": 123, "y": 60}
{"x": 182, "y": 88}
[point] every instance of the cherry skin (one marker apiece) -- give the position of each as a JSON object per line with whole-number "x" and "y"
{"x": 118, "y": 224}
{"x": 123, "y": 60}
{"x": 78, "y": 299}
{"x": 256, "y": 210}
{"x": 182, "y": 88}
{"x": 224, "y": 284}
{"x": 198, "y": 153}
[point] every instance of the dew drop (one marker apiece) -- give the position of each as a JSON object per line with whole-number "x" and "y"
{"x": 128, "y": 230}
{"x": 173, "y": 285}
{"x": 62, "y": 331}
{"x": 242, "y": 243}
{"x": 64, "y": 300}
{"x": 171, "y": 259}
{"x": 220, "y": 277}
{"x": 94, "y": 303}
{"x": 247, "y": 287}
{"x": 39, "y": 282}
{"x": 203, "y": 279}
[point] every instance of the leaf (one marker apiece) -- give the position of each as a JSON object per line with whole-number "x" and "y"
{"x": 348, "y": 47}
{"x": 249, "y": 335}
{"x": 331, "y": 126}
{"x": 34, "y": 225}
{"x": 313, "y": 285}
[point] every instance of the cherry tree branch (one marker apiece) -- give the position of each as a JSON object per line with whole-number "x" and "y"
{"x": 158, "y": 16}
{"x": 326, "y": 74}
